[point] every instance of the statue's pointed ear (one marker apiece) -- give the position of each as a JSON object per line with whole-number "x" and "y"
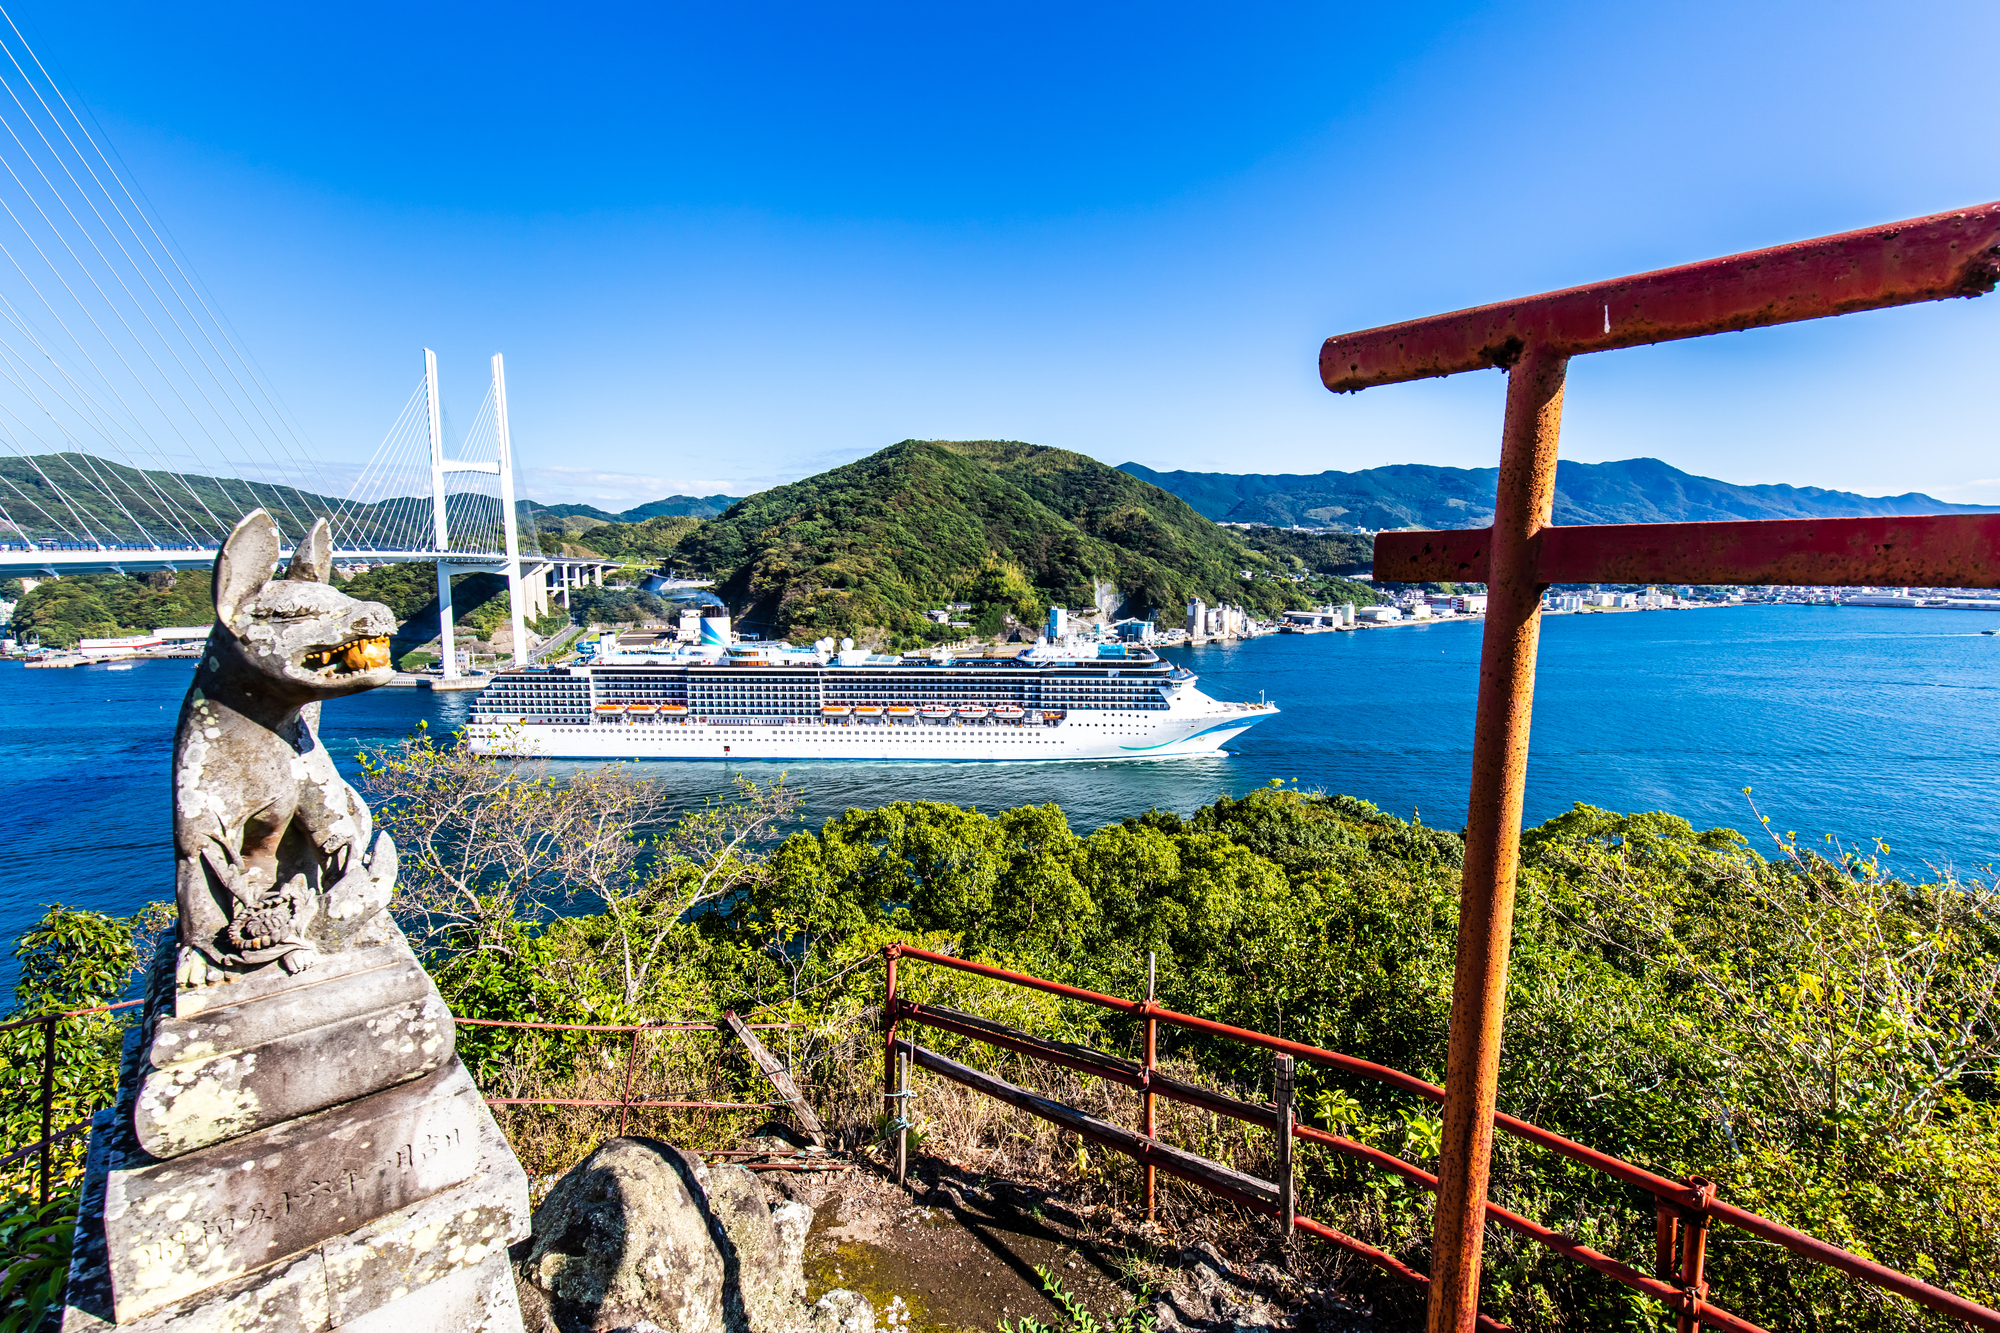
{"x": 244, "y": 564}
{"x": 312, "y": 559}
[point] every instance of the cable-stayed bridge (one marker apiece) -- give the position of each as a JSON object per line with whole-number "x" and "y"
{"x": 135, "y": 428}
{"x": 411, "y": 502}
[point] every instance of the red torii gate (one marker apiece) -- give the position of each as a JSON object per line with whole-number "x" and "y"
{"x": 1923, "y": 259}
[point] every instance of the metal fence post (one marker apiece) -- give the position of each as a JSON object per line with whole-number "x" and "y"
{"x": 1666, "y": 1243}
{"x": 903, "y": 1116}
{"x": 1523, "y": 507}
{"x": 1287, "y": 1118}
{"x": 48, "y": 1096}
{"x": 1693, "y": 1280}
{"x": 890, "y": 1110}
{"x": 625, "y": 1103}
{"x": 1152, "y": 1060}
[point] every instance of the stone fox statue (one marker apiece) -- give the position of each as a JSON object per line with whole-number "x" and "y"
{"x": 277, "y": 859}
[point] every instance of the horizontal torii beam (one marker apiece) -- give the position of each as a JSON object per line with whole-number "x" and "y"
{"x": 1936, "y": 550}
{"x": 1924, "y": 259}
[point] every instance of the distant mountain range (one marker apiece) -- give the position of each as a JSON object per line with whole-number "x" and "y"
{"x": 674, "y": 506}
{"x": 78, "y": 497}
{"x": 1416, "y": 495}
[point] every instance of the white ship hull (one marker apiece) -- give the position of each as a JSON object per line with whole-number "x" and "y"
{"x": 776, "y": 702}
{"x": 1136, "y": 736}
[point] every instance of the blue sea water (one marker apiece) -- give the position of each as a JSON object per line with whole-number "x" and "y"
{"x": 1850, "y": 722}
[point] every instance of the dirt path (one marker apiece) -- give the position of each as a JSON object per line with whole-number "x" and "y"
{"x": 962, "y": 1251}
{"x": 961, "y": 1254}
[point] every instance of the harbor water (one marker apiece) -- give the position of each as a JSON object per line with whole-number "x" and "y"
{"x": 1856, "y": 723}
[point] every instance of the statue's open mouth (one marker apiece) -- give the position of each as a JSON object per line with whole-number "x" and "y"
{"x": 349, "y": 659}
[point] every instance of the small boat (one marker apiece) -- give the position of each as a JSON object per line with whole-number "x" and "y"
{"x": 934, "y": 713}
{"x": 973, "y": 711}
{"x": 1009, "y": 713}
{"x": 643, "y": 710}
{"x": 673, "y": 710}
{"x": 1052, "y": 717}
{"x": 901, "y": 712}
{"x": 835, "y": 710}
{"x": 1990, "y": 631}
{"x": 119, "y": 666}
{"x": 610, "y": 708}
{"x": 867, "y": 710}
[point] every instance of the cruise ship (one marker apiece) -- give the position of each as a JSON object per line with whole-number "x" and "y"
{"x": 722, "y": 699}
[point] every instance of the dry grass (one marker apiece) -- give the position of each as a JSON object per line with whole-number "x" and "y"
{"x": 982, "y": 1136}
{"x": 705, "y": 1066}
{"x": 840, "y": 1070}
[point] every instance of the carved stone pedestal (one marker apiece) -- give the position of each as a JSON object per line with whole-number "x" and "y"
{"x": 299, "y": 1153}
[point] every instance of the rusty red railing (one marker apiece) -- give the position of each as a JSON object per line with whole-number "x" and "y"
{"x": 1685, "y": 1209}
{"x": 626, "y": 1103}
{"x": 45, "y": 1146}
{"x": 51, "y": 1136}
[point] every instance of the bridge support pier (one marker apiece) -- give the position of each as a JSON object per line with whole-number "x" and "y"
{"x": 447, "y": 645}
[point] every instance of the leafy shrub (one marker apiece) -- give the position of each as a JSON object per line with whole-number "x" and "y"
{"x": 35, "y": 1245}
{"x": 1812, "y": 1033}
{"x": 71, "y": 959}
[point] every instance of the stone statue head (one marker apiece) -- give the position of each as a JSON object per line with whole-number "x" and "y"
{"x": 305, "y": 639}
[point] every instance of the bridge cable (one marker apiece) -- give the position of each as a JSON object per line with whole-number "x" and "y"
{"x": 308, "y": 462}
{"x": 98, "y": 286}
{"x": 86, "y": 408}
{"x": 23, "y": 323}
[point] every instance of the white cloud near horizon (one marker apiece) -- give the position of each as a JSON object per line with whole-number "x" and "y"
{"x": 618, "y": 491}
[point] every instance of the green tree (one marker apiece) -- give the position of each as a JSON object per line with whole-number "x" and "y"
{"x": 70, "y": 959}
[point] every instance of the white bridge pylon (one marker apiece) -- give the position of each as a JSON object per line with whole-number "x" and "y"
{"x": 503, "y": 467}
{"x": 375, "y": 507}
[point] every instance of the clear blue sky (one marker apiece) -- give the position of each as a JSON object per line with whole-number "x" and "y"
{"x": 728, "y": 245}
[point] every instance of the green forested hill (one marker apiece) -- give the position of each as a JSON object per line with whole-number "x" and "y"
{"x": 1009, "y": 527}
{"x": 646, "y": 542}
{"x": 58, "y": 612}
{"x": 1316, "y": 552}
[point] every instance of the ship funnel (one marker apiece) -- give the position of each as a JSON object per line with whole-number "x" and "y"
{"x": 715, "y": 631}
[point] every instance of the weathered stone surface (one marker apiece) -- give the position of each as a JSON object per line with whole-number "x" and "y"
{"x": 277, "y": 860}
{"x": 621, "y": 1239}
{"x": 296, "y": 1145}
{"x": 336, "y": 1034}
{"x": 763, "y": 1249}
{"x": 470, "y": 1300}
{"x": 466, "y": 1227}
{"x": 374, "y": 945}
{"x": 843, "y": 1311}
{"x": 390, "y": 1264}
{"x": 642, "y": 1236}
{"x": 179, "y": 1226}
{"x": 792, "y": 1220}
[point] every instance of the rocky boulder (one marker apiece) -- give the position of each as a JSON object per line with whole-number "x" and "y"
{"x": 644, "y": 1238}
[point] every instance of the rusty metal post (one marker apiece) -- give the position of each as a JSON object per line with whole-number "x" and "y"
{"x": 1523, "y": 507}
{"x": 1666, "y": 1244}
{"x": 1693, "y": 1280}
{"x": 1287, "y": 1119}
{"x": 631, "y": 1060}
{"x": 1152, "y": 1060}
{"x": 903, "y": 1114}
{"x": 48, "y": 1097}
{"x": 889, "y": 1106}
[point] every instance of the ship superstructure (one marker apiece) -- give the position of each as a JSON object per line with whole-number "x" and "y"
{"x": 722, "y": 699}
